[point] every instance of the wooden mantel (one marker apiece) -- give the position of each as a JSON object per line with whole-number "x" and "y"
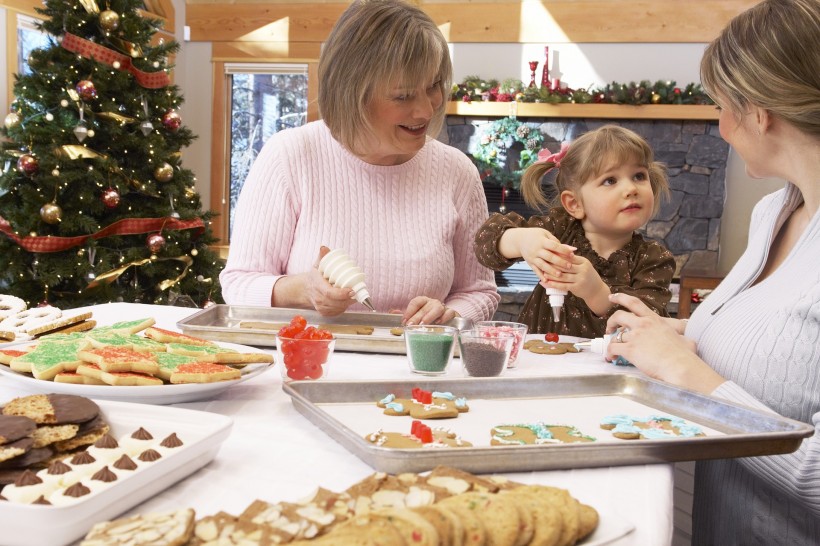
{"x": 567, "y": 110}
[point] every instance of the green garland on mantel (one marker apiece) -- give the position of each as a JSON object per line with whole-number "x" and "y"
{"x": 500, "y": 137}
{"x": 474, "y": 88}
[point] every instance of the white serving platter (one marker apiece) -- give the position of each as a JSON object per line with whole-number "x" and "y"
{"x": 154, "y": 394}
{"x": 202, "y": 434}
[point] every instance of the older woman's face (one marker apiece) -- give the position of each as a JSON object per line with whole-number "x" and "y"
{"x": 400, "y": 116}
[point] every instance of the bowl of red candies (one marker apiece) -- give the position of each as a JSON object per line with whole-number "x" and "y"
{"x": 304, "y": 351}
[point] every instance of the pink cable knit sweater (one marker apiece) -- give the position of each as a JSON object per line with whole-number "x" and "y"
{"x": 410, "y": 227}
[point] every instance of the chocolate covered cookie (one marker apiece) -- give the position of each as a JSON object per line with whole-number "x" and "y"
{"x": 53, "y": 409}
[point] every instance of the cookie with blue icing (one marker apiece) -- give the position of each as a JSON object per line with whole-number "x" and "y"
{"x": 652, "y": 427}
{"x": 536, "y": 434}
{"x": 442, "y": 405}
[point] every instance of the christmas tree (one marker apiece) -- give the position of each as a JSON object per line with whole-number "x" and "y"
{"x": 95, "y": 205}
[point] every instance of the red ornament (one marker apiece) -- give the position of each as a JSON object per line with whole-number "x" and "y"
{"x": 28, "y": 165}
{"x": 155, "y": 242}
{"x": 110, "y": 198}
{"x": 533, "y": 67}
{"x": 551, "y": 337}
{"x": 171, "y": 120}
{"x": 86, "y": 90}
{"x": 466, "y": 98}
{"x": 676, "y": 91}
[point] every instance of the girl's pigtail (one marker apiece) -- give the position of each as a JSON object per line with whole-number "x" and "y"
{"x": 531, "y": 179}
{"x": 531, "y": 185}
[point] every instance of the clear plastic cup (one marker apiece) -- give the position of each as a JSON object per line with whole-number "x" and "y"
{"x": 491, "y": 328}
{"x": 430, "y": 348}
{"x": 304, "y": 359}
{"x": 484, "y": 356}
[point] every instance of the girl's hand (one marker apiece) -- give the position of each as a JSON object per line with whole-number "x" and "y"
{"x": 585, "y": 282}
{"x": 655, "y": 347}
{"x": 544, "y": 253}
{"x": 424, "y": 310}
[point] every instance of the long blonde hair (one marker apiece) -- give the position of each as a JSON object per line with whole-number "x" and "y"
{"x": 375, "y": 45}
{"x": 768, "y": 56}
{"x": 587, "y": 157}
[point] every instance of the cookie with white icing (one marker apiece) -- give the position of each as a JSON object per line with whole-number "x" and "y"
{"x": 536, "y": 434}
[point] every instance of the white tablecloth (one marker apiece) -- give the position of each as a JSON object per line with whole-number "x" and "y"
{"x": 274, "y": 453}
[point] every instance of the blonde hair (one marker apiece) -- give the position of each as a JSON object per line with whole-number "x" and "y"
{"x": 768, "y": 56}
{"x": 587, "y": 157}
{"x": 376, "y": 45}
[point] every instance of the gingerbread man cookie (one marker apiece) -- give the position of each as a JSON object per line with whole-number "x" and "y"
{"x": 421, "y": 436}
{"x": 537, "y": 433}
{"x": 653, "y": 427}
{"x": 424, "y": 405}
{"x": 549, "y": 348}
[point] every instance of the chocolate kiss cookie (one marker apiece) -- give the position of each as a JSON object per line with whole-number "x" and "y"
{"x": 53, "y": 409}
{"x": 14, "y": 427}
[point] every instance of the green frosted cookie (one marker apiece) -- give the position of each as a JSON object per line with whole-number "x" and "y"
{"x": 47, "y": 359}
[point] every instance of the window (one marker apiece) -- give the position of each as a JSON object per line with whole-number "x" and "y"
{"x": 29, "y": 38}
{"x": 263, "y": 100}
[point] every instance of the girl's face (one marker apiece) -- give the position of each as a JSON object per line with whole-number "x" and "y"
{"x": 400, "y": 117}
{"x": 617, "y": 201}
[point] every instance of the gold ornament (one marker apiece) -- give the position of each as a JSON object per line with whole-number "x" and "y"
{"x": 51, "y": 213}
{"x": 12, "y": 120}
{"x": 655, "y": 98}
{"x": 164, "y": 173}
{"x": 109, "y": 20}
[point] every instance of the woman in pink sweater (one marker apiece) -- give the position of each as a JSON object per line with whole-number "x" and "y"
{"x": 369, "y": 180}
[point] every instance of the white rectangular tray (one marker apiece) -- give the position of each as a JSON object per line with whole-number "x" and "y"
{"x": 202, "y": 434}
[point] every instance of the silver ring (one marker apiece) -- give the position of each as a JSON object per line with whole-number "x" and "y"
{"x": 619, "y": 337}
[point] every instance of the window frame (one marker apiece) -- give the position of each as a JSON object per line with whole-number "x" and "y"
{"x": 223, "y": 55}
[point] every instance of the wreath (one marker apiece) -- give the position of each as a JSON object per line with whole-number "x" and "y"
{"x": 506, "y": 148}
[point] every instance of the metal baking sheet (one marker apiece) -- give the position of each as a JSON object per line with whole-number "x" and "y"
{"x": 346, "y": 411}
{"x": 221, "y": 323}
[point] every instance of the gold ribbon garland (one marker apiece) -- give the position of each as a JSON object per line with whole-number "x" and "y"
{"x": 75, "y": 151}
{"x": 111, "y": 276}
{"x": 90, "y": 6}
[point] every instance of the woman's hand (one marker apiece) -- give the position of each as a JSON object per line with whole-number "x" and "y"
{"x": 655, "y": 347}
{"x": 324, "y": 297}
{"x": 424, "y": 310}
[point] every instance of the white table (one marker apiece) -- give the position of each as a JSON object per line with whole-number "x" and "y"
{"x": 275, "y": 454}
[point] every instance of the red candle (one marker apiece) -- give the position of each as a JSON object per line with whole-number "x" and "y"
{"x": 545, "y": 75}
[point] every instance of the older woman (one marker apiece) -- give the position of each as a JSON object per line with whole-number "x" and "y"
{"x": 368, "y": 179}
{"x": 758, "y": 333}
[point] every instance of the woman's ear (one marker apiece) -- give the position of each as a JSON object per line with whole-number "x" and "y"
{"x": 763, "y": 120}
{"x": 572, "y": 204}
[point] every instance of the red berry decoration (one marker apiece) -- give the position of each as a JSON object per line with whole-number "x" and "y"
{"x": 110, "y": 198}
{"x": 551, "y": 337}
{"x": 86, "y": 90}
{"x": 172, "y": 121}
{"x": 28, "y": 165}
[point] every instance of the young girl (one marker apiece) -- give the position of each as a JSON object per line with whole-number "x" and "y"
{"x": 608, "y": 187}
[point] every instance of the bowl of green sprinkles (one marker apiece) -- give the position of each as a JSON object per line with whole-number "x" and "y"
{"x": 430, "y": 347}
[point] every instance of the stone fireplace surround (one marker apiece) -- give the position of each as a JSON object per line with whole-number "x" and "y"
{"x": 695, "y": 156}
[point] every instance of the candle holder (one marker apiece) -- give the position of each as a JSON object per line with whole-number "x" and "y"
{"x": 533, "y": 67}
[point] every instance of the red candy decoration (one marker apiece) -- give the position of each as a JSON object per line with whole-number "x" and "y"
{"x": 421, "y": 396}
{"x": 422, "y": 432}
{"x": 303, "y": 353}
{"x": 551, "y": 337}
